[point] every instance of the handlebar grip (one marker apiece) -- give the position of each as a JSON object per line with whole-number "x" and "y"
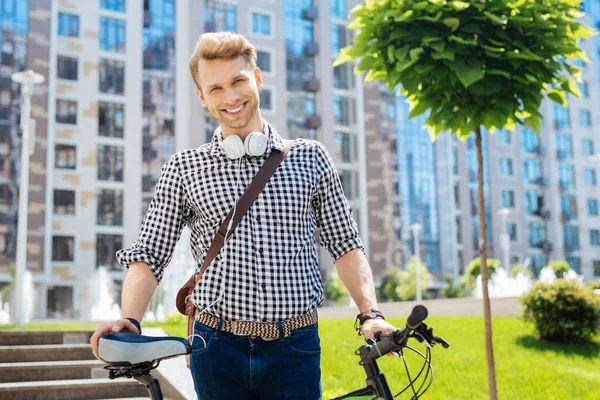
{"x": 418, "y": 315}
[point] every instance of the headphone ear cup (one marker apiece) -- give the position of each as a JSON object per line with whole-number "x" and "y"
{"x": 255, "y": 144}
{"x": 233, "y": 147}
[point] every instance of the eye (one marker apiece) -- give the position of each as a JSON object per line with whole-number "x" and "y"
{"x": 238, "y": 80}
{"x": 215, "y": 88}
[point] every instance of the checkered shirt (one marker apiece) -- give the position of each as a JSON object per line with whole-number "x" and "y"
{"x": 268, "y": 270}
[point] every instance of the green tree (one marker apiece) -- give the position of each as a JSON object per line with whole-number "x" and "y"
{"x": 472, "y": 64}
{"x": 407, "y": 287}
{"x": 335, "y": 289}
{"x": 559, "y": 267}
{"x": 389, "y": 282}
{"x": 7, "y": 290}
{"x": 519, "y": 268}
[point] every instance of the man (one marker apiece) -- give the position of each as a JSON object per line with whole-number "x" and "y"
{"x": 267, "y": 274}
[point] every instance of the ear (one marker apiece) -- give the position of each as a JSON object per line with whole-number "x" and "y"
{"x": 201, "y": 97}
{"x": 258, "y": 77}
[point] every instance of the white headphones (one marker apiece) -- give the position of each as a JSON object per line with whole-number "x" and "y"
{"x": 254, "y": 145}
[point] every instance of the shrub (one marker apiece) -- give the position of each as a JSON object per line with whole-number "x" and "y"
{"x": 473, "y": 270}
{"x": 517, "y": 269}
{"x": 401, "y": 285}
{"x": 335, "y": 289}
{"x": 389, "y": 281}
{"x": 453, "y": 290}
{"x": 560, "y": 268}
{"x": 562, "y": 311}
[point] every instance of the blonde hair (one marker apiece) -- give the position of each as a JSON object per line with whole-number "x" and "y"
{"x": 215, "y": 45}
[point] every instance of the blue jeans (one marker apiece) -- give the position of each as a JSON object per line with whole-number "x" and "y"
{"x": 236, "y": 367}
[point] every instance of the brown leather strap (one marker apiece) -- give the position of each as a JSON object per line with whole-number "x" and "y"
{"x": 256, "y": 186}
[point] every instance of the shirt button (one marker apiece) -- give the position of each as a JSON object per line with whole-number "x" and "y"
{"x": 263, "y": 285}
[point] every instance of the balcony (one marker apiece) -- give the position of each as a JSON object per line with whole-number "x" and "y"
{"x": 537, "y": 245}
{"x": 571, "y": 247}
{"x": 547, "y": 247}
{"x": 563, "y": 186}
{"x": 310, "y": 13}
{"x": 311, "y": 49}
{"x": 312, "y": 85}
{"x": 147, "y": 18}
{"x": 563, "y": 154}
{"x": 540, "y": 181}
{"x": 539, "y": 150}
{"x": 313, "y": 122}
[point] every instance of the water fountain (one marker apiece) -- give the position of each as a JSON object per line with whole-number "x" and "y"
{"x": 100, "y": 298}
{"x": 503, "y": 285}
{"x": 4, "y": 312}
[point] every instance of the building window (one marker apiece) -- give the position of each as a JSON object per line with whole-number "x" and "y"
{"x": 113, "y": 5}
{"x": 511, "y": 229}
{"x": 5, "y": 194}
{"x": 566, "y": 176}
{"x": 587, "y": 147}
{"x": 534, "y": 202}
{"x": 343, "y": 147}
{"x": 595, "y": 237}
{"x": 457, "y": 196}
{"x": 339, "y": 38}
{"x": 106, "y": 247}
{"x": 112, "y": 35}
{"x": 211, "y": 126}
{"x": 112, "y": 76}
{"x": 530, "y": 141}
{"x": 536, "y": 234}
{"x": 458, "y": 230}
{"x": 454, "y": 160}
{"x": 63, "y": 248}
{"x": 561, "y": 117}
{"x": 341, "y": 77}
{"x": 111, "y": 119}
{"x": 584, "y": 89}
{"x": 592, "y": 207}
{"x": 67, "y": 68}
{"x": 66, "y": 112}
{"x": 110, "y": 207}
{"x": 68, "y": 25}
{"x": 504, "y": 137}
{"x": 338, "y": 9}
{"x": 110, "y": 163}
{"x": 571, "y": 239}
{"x": 568, "y": 207}
{"x": 64, "y": 202}
{"x": 65, "y": 156}
{"x": 532, "y": 170}
{"x": 508, "y": 199}
{"x": 219, "y": 16}
{"x": 574, "y": 262}
{"x": 348, "y": 179}
{"x": 596, "y": 268}
{"x": 261, "y": 24}
{"x": 265, "y": 99}
{"x": 564, "y": 148}
{"x": 341, "y": 110}
{"x": 506, "y": 166}
{"x": 263, "y": 61}
{"x": 585, "y": 118}
{"x": 590, "y": 177}
{"x": 538, "y": 261}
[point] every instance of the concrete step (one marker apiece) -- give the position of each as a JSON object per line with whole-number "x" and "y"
{"x": 51, "y": 370}
{"x": 46, "y": 352}
{"x": 76, "y": 389}
{"x": 16, "y": 338}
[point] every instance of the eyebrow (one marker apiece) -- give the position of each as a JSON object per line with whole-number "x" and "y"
{"x": 232, "y": 79}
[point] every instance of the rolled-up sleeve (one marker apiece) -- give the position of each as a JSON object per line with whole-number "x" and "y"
{"x": 162, "y": 225}
{"x": 338, "y": 230}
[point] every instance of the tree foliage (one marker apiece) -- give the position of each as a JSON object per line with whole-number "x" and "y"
{"x": 472, "y": 62}
{"x": 559, "y": 267}
{"x": 473, "y": 270}
{"x": 401, "y": 285}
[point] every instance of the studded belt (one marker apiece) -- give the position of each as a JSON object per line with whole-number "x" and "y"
{"x": 265, "y": 330}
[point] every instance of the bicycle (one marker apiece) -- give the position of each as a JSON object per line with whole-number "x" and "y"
{"x": 134, "y": 356}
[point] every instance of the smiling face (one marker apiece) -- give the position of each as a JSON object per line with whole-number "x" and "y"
{"x": 229, "y": 91}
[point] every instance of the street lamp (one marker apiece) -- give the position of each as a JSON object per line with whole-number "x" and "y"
{"x": 415, "y": 228}
{"x": 505, "y": 238}
{"x": 27, "y": 79}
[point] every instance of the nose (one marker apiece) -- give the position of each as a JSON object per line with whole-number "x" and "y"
{"x": 232, "y": 97}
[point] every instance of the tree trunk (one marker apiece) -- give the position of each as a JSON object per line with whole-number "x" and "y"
{"x": 487, "y": 313}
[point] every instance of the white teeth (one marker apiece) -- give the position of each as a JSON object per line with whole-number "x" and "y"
{"x": 234, "y": 110}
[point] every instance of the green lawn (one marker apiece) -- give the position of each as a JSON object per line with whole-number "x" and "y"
{"x": 526, "y": 368}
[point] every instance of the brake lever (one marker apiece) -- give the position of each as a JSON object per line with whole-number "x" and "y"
{"x": 425, "y": 334}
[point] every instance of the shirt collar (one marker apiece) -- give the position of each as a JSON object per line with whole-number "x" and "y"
{"x": 274, "y": 141}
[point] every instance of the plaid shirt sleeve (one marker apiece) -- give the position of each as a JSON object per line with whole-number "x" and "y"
{"x": 338, "y": 230}
{"x": 162, "y": 225}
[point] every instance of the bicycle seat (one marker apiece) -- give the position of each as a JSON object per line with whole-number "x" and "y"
{"x": 124, "y": 349}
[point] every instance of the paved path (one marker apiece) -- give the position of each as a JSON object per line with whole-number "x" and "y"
{"x": 505, "y": 307}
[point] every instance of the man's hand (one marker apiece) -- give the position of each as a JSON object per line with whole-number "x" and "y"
{"x": 122, "y": 325}
{"x": 374, "y": 325}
